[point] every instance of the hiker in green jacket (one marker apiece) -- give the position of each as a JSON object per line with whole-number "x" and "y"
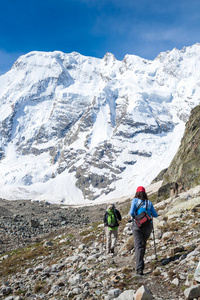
{"x": 111, "y": 224}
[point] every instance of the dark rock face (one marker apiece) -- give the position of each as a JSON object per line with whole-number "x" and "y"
{"x": 102, "y": 159}
{"x": 184, "y": 168}
{"x": 159, "y": 176}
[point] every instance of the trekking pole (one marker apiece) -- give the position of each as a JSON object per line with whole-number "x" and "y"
{"x": 103, "y": 237}
{"x": 154, "y": 240}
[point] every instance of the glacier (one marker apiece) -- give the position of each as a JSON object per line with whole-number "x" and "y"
{"x": 77, "y": 129}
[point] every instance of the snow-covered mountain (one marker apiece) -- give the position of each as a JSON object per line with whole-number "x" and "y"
{"x": 75, "y": 129}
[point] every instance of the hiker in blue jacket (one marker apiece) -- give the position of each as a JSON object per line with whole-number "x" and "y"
{"x": 139, "y": 204}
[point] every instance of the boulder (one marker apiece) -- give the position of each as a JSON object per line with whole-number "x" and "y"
{"x": 192, "y": 292}
{"x": 126, "y": 295}
{"x": 197, "y": 273}
{"x": 184, "y": 206}
{"x": 143, "y": 294}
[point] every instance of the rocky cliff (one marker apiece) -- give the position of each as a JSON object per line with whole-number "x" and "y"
{"x": 184, "y": 170}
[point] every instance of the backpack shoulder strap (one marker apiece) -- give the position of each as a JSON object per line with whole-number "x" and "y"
{"x": 146, "y": 204}
{"x": 115, "y": 215}
{"x": 139, "y": 206}
{"x": 106, "y": 217}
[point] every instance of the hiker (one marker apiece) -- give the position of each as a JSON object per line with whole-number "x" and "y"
{"x": 141, "y": 234}
{"x": 111, "y": 218}
{"x": 174, "y": 190}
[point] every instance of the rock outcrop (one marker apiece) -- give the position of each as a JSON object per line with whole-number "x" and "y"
{"x": 184, "y": 172}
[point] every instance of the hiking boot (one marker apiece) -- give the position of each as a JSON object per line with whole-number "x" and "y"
{"x": 140, "y": 272}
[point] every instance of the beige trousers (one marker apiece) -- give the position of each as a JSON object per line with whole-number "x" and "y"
{"x": 111, "y": 239}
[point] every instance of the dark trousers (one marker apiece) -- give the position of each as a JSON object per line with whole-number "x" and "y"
{"x": 141, "y": 236}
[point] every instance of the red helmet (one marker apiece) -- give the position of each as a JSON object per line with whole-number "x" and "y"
{"x": 140, "y": 189}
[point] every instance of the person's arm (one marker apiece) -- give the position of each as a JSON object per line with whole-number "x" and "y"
{"x": 105, "y": 219}
{"x": 153, "y": 211}
{"x": 119, "y": 217}
{"x": 133, "y": 208}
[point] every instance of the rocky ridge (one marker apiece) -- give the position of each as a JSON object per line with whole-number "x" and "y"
{"x": 72, "y": 264}
{"x": 184, "y": 168}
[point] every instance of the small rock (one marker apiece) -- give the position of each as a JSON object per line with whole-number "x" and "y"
{"x": 4, "y": 257}
{"x": 29, "y": 271}
{"x": 82, "y": 247}
{"x": 175, "y": 281}
{"x": 158, "y": 234}
{"x": 165, "y": 261}
{"x": 98, "y": 292}
{"x": 35, "y": 224}
{"x": 75, "y": 279}
{"x": 176, "y": 250}
{"x": 6, "y": 290}
{"x": 54, "y": 288}
{"x": 48, "y": 244}
{"x": 76, "y": 291}
{"x": 114, "y": 293}
{"x": 94, "y": 256}
{"x": 167, "y": 235}
{"x": 39, "y": 268}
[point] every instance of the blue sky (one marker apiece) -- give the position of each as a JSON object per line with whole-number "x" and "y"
{"x": 94, "y": 27}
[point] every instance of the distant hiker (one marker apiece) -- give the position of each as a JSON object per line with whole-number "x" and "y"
{"x": 174, "y": 190}
{"x": 111, "y": 224}
{"x": 141, "y": 204}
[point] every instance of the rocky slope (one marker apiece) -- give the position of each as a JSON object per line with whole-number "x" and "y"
{"x": 184, "y": 168}
{"x": 72, "y": 264}
{"x": 77, "y": 129}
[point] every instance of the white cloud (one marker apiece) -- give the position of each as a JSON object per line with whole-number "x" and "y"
{"x": 175, "y": 35}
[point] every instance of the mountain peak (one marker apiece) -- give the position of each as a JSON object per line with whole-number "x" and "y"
{"x": 77, "y": 129}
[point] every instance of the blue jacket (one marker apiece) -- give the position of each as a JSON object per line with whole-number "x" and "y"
{"x": 150, "y": 209}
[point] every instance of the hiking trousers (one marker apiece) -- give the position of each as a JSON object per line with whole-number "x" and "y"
{"x": 111, "y": 239}
{"x": 141, "y": 236}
